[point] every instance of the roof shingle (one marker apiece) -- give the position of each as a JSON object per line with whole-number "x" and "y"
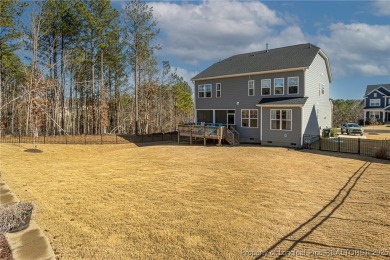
{"x": 297, "y": 56}
{"x": 283, "y": 101}
{"x": 370, "y": 88}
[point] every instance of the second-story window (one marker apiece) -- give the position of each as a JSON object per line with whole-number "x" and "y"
{"x": 265, "y": 87}
{"x": 375, "y": 94}
{"x": 204, "y": 91}
{"x": 251, "y": 88}
{"x": 293, "y": 85}
{"x": 375, "y": 102}
{"x": 218, "y": 90}
{"x": 279, "y": 86}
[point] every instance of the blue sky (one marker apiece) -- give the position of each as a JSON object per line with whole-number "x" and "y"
{"x": 354, "y": 34}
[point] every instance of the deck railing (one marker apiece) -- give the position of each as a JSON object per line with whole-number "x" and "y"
{"x": 202, "y": 131}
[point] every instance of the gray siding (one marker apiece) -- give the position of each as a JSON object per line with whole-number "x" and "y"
{"x": 282, "y": 137}
{"x": 234, "y": 95}
{"x": 314, "y": 116}
{"x": 317, "y": 110}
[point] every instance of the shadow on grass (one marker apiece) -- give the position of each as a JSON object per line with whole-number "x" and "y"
{"x": 287, "y": 243}
{"x": 354, "y": 156}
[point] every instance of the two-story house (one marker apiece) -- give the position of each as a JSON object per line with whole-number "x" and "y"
{"x": 377, "y": 103}
{"x": 272, "y": 97}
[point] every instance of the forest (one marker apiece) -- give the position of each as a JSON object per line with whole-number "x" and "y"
{"x": 86, "y": 68}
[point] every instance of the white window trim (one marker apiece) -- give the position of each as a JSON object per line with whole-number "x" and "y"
{"x": 220, "y": 90}
{"x": 280, "y": 129}
{"x": 249, "y": 81}
{"x": 270, "y": 83}
{"x": 378, "y": 102}
{"x": 249, "y": 119}
{"x": 372, "y": 114}
{"x": 375, "y": 94}
{"x": 275, "y": 87}
{"x": 288, "y": 86}
{"x": 211, "y": 91}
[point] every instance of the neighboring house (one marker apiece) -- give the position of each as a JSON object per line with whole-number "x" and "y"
{"x": 272, "y": 97}
{"x": 377, "y": 103}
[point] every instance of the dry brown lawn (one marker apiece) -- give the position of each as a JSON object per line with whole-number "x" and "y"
{"x": 195, "y": 202}
{"x": 378, "y": 132}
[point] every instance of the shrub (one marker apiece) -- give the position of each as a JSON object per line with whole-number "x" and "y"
{"x": 15, "y": 217}
{"x": 333, "y": 133}
{"x": 381, "y": 153}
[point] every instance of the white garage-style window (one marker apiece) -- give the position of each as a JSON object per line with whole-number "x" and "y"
{"x": 204, "y": 91}
{"x": 281, "y": 119}
{"x": 249, "y": 118}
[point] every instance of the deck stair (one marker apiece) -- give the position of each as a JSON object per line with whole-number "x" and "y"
{"x": 232, "y": 136}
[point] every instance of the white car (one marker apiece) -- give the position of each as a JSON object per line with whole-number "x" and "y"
{"x": 352, "y": 128}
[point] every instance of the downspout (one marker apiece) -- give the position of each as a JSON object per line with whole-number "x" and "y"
{"x": 195, "y": 114}
{"x": 261, "y": 125}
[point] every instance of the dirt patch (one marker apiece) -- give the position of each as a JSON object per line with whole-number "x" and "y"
{"x": 33, "y": 150}
{"x": 5, "y": 250}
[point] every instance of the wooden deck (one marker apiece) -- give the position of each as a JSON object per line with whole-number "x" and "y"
{"x": 208, "y": 132}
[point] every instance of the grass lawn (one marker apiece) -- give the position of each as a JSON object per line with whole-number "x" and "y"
{"x": 171, "y": 202}
{"x": 378, "y": 132}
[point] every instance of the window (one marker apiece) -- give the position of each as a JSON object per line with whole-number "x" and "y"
{"x": 218, "y": 90}
{"x": 293, "y": 85}
{"x": 265, "y": 87}
{"x": 251, "y": 88}
{"x": 321, "y": 89}
{"x": 375, "y": 94}
{"x": 249, "y": 118}
{"x": 279, "y": 86}
{"x": 281, "y": 119}
{"x": 204, "y": 91}
{"x": 374, "y": 114}
{"x": 205, "y": 116}
{"x": 375, "y": 102}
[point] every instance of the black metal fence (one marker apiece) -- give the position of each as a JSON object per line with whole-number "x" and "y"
{"x": 89, "y": 139}
{"x": 367, "y": 147}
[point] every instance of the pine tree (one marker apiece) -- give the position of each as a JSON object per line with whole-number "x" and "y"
{"x": 139, "y": 32}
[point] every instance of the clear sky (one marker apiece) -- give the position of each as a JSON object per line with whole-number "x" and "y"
{"x": 354, "y": 34}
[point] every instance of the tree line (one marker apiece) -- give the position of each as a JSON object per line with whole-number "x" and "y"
{"x": 87, "y": 68}
{"x": 347, "y": 111}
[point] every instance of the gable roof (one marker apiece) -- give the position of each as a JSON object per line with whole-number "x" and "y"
{"x": 289, "y": 101}
{"x": 281, "y": 59}
{"x": 371, "y": 88}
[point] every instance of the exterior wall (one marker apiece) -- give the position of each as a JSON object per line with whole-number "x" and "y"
{"x": 378, "y": 96}
{"x": 234, "y": 96}
{"x": 317, "y": 110}
{"x": 384, "y": 102}
{"x": 282, "y": 137}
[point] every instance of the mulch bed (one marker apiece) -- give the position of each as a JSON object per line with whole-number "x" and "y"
{"x": 5, "y": 250}
{"x": 33, "y": 150}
